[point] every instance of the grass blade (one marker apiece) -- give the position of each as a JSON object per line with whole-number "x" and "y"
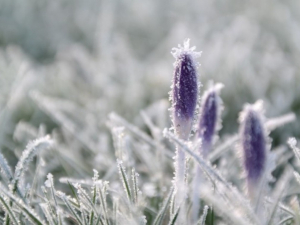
{"x": 31, "y": 150}
{"x": 31, "y": 215}
{"x": 125, "y": 181}
{"x": 174, "y": 217}
{"x": 160, "y": 216}
{"x": 70, "y": 207}
{"x": 8, "y": 210}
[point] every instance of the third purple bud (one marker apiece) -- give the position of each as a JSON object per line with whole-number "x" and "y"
{"x": 254, "y": 145}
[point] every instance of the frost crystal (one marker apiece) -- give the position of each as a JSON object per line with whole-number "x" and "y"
{"x": 292, "y": 142}
{"x": 49, "y": 181}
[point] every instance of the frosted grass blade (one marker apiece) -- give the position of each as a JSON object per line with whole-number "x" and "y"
{"x": 102, "y": 198}
{"x": 5, "y": 168}
{"x": 292, "y": 143}
{"x": 220, "y": 206}
{"x": 174, "y": 217}
{"x": 203, "y": 217}
{"x": 31, "y": 150}
{"x": 279, "y": 189}
{"x": 70, "y": 207}
{"x": 125, "y": 181}
{"x": 8, "y": 209}
{"x": 134, "y": 176}
{"x": 285, "y": 220}
{"x": 160, "y": 216}
{"x": 47, "y": 214}
{"x": 115, "y": 118}
{"x": 31, "y": 215}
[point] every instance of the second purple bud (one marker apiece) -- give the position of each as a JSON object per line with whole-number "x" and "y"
{"x": 209, "y": 118}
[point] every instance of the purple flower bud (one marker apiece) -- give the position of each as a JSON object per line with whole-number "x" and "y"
{"x": 254, "y": 144}
{"x": 184, "y": 95}
{"x": 210, "y": 113}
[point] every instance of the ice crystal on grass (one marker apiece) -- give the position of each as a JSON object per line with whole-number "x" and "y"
{"x": 30, "y": 214}
{"x": 125, "y": 181}
{"x": 5, "y": 169}
{"x": 277, "y": 195}
{"x": 160, "y": 215}
{"x": 6, "y": 206}
{"x": 292, "y": 143}
{"x": 31, "y": 150}
{"x": 230, "y": 214}
{"x": 203, "y": 217}
{"x": 52, "y": 211}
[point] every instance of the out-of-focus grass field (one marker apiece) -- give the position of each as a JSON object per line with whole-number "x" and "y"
{"x": 117, "y": 52}
{"x": 66, "y": 64}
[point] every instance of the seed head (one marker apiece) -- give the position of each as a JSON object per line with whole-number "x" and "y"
{"x": 184, "y": 94}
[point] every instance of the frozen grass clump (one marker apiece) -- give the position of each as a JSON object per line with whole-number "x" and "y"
{"x": 100, "y": 167}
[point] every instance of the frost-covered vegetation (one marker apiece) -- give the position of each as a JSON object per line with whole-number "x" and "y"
{"x": 88, "y": 135}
